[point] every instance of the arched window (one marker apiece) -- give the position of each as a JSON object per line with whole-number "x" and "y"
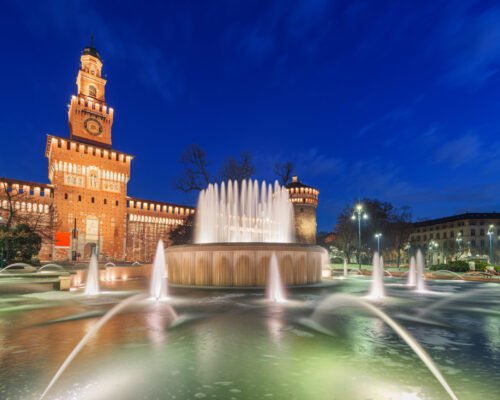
{"x": 92, "y": 91}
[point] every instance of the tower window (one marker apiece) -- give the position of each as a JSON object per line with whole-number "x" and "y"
{"x": 65, "y": 196}
{"x": 93, "y": 200}
{"x": 79, "y": 198}
{"x": 116, "y": 203}
{"x": 105, "y": 201}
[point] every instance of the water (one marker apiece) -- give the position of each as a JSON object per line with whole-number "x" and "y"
{"x": 412, "y": 273}
{"x": 420, "y": 270}
{"x": 377, "y": 291}
{"x": 92, "y": 284}
{"x": 159, "y": 287}
{"x": 246, "y": 212}
{"x": 346, "y": 273}
{"x": 236, "y": 346}
{"x": 276, "y": 289}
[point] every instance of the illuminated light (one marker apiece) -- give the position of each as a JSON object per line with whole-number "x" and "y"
{"x": 124, "y": 277}
{"x": 326, "y": 273}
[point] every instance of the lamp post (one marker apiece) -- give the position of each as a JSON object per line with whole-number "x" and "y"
{"x": 459, "y": 241}
{"x": 359, "y": 214}
{"x": 378, "y": 236}
{"x": 408, "y": 249}
{"x": 432, "y": 246}
{"x": 490, "y": 234}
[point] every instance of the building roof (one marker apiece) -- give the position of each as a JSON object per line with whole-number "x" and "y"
{"x": 162, "y": 203}
{"x": 459, "y": 217}
{"x": 25, "y": 183}
{"x": 295, "y": 183}
{"x": 91, "y": 51}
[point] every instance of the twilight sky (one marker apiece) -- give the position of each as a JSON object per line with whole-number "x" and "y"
{"x": 369, "y": 98}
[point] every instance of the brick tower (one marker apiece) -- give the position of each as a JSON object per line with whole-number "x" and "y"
{"x": 305, "y": 203}
{"x": 89, "y": 177}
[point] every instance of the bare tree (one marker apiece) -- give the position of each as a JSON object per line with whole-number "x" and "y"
{"x": 284, "y": 171}
{"x": 345, "y": 234}
{"x": 235, "y": 170}
{"x": 195, "y": 176}
{"x": 400, "y": 228}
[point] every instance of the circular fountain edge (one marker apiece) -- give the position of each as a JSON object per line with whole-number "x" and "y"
{"x": 243, "y": 264}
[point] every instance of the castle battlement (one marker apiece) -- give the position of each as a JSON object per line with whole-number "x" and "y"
{"x": 94, "y": 107}
{"x": 26, "y": 188}
{"x": 79, "y": 147}
{"x": 157, "y": 208}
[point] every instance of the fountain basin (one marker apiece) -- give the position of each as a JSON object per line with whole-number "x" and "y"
{"x": 243, "y": 264}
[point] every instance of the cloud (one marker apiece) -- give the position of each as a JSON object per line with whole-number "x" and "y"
{"x": 460, "y": 151}
{"x": 76, "y": 19}
{"x": 472, "y": 44}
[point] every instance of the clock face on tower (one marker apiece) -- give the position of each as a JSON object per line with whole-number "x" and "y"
{"x": 93, "y": 126}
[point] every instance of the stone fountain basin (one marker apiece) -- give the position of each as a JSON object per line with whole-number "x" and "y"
{"x": 243, "y": 264}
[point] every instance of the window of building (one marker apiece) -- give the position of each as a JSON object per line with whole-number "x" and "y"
{"x": 438, "y": 236}
{"x": 481, "y": 232}
{"x": 473, "y": 244}
{"x": 105, "y": 201}
{"x": 425, "y": 238}
{"x": 92, "y": 200}
{"x": 116, "y": 202}
{"x": 444, "y": 235}
{"x": 482, "y": 244}
{"x": 452, "y": 234}
{"x": 65, "y": 196}
{"x": 473, "y": 232}
{"x": 79, "y": 198}
{"x": 431, "y": 236}
{"x": 481, "y": 223}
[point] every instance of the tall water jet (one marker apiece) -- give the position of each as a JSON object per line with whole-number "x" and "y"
{"x": 345, "y": 268}
{"x": 92, "y": 284}
{"x": 244, "y": 212}
{"x": 276, "y": 290}
{"x": 377, "y": 291}
{"x": 412, "y": 273}
{"x": 158, "y": 290}
{"x": 420, "y": 268}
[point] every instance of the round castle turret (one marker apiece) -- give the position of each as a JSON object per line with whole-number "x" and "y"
{"x": 305, "y": 202}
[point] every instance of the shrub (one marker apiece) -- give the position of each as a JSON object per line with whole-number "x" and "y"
{"x": 455, "y": 266}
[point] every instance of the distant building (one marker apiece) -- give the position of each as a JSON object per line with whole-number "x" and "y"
{"x": 305, "y": 203}
{"x": 460, "y": 236}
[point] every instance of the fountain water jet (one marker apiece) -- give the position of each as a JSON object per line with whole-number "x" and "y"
{"x": 158, "y": 290}
{"x": 420, "y": 267}
{"x": 345, "y": 268}
{"x": 92, "y": 284}
{"x": 412, "y": 273}
{"x": 243, "y": 212}
{"x": 276, "y": 290}
{"x": 377, "y": 291}
{"x": 338, "y": 300}
{"x": 106, "y": 317}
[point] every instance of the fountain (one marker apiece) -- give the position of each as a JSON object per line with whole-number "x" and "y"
{"x": 239, "y": 226}
{"x": 158, "y": 290}
{"x": 345, "y": 268}
{"x": 420, "y": 268}
{"x": 412, "y": 273}
{"x": 377, "y": 291}
{"x": 92, "y": 284}
{"x": 276, "y": 290}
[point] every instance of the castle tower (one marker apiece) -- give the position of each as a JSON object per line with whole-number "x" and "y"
{"x": 89, "y": 177}
{"x": 90, "y": 119}
{"x": 305, "y": 203}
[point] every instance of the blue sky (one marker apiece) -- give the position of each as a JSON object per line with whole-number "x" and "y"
{"x": 394, "y": 100}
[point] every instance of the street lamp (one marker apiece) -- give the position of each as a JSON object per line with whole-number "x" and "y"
{"x": 378, "y": 236}
{"x": 359, "y": 214}
{"x": 432, "y": 246}
{"x": 459, "y": 241}
{"x": 490, "y": 234}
